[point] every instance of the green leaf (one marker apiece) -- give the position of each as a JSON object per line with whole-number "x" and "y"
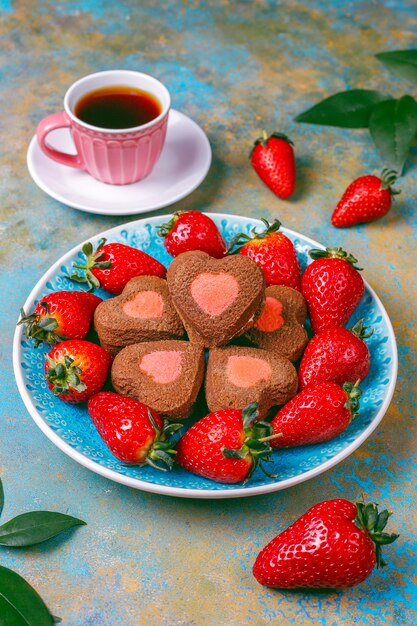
{"x": 402, "y": 62}
{"x": 20, "y": 604}
{"x": 347, "y": 109}
{"x": 393, "y": 126}
{"x": 31, "y": 528}
{"x": 1, "y": 497}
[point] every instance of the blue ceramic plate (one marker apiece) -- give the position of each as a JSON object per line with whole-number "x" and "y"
{"x": 70, "y": 428}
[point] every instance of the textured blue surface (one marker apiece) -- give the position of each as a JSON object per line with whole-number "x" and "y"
{"x": 73, "y": 425}
{"x": 234, "y": 67}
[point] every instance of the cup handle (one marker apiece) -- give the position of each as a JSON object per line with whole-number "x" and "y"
{"x": 52, "y": 122}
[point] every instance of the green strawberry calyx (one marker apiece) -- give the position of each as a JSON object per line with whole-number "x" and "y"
{"x": 40, "y": 327}
{"x": 389, "y": 178}
{"x": 361, "y": 331}
{"x": 335, "y": 253}
{"x": 353, "y": 393}
{"x": 256, "y": 444}
{"x": 265, "y": 138}
{"x": 92, "y": 261}
{"x": 164, "y": 229}
{"x": 241, "y": 239}
{"x": 160, "y": 454}
{"x": 64, "y": 376}
{"x": 369, "y": 519}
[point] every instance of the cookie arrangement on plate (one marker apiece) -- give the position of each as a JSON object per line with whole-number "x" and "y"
{"x": 224, "y": 327}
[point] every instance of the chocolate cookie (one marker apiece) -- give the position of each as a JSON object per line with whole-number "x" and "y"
{"x": 142, "y": 312}
{"x": 217, "y": 299}
{"x": 280, "y": 325}
{"x": 165, "y": 375}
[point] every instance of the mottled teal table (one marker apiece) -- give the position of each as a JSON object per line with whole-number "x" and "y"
{"x": 235, "y": 67}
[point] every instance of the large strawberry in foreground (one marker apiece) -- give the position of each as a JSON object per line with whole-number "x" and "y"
{"x": 76, "y": 369}
{"x": 192, "y": 230}
{"x": 336, "y": 355}
{"x": 226, "y": 446}
{"x": 273, "y": 252}
{"x": 336, "y": 544}
{"x": 60, "y": 315}
{"x": 112, "y": 265}
{"x": 273, "y": 160}
{"x": 332, "y": 287}
{"x": 366, "y": 199}
{"x": 133, "y": 432}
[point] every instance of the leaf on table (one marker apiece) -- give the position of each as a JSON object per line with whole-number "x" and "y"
{"x": 1, "y": 497}
{"x": 20, "y": 604}
{"x": 31, "y": 528}
{"x": 401, "y": 62}
{"x": 393, "y": 126}
{"x": 347, "y": 109}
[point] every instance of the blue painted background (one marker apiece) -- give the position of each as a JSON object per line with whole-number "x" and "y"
{"x": 235, "y": 67}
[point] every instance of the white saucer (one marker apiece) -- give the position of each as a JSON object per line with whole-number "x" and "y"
{"x": 182, "y": 166}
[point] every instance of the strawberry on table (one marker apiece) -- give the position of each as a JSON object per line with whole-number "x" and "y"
{"x": 332, "y": 287}
{"x": 133, "y": 432}
{"x": 112, "y": 265}
{"x": 273, "y": 252}
{"x": 76, "y": 369}
{"x": 273, "y": 160}
{"x": 226, "y": 446}
{"x": 336, "y": 355}
{"x": 318, "y": 413}
{"x": 60, "y": 315}
{"x": 366, "y": 199}
{"x": 192, "y": 230}
{"x": 335, "y": 544}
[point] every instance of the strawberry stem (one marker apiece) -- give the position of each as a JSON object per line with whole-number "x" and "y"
{"x": 162, "y": 450}
{"x": 353, "y": 393}
{"x": 164, "y": 229}
{"x": 369, "y": 519}
{"x": 389, "y": 178}
{"x": 361, "y": 331}
{"x": 40, "y": 327}
{"x": 92, "y": 261}
{"x": 241, "y": 239}
{"x": 335, "y": 253}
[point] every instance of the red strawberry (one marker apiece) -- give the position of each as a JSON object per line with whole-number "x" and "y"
{"x": 76, "y": 369}
{"x": 336, "y": 544}
{"x": 366, "y": 199}
{"x": 133, "y": 432}
{"x": 192, "y": 230}
{"x": 336, "y": 355}
{"x": 226, "y": 446}
{"x": 332, "y": 287}
{"x": 273, "y": 160}
{"x": 318, "y": 413}
{"x": 273, "y": 252}
{"x": 60, "y": 315}
{"x": 112, "y": 265}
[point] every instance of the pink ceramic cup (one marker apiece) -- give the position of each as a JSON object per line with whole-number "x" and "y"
{"x": 114, "y": 156}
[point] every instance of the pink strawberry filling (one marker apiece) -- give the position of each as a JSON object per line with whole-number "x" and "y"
{"x": 162, "y": 366}
{"x": 214, "y": 293}
{"x": 247, "y": 371}
{"x": 145, "y": 304}
{"x": 271, "y": 317}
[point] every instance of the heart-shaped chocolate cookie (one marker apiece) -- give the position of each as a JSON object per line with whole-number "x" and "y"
{"x": 237, "y": 376}
{"x": 142, "y": 312}
{"x": 217, "y": 299}
{"x": 164, "y": 375}
{"x": 280, "y": 325}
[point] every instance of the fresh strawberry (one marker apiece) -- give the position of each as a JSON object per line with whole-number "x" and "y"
{"x": 112, "y": 265}
{"x": 76, "y": 369}
{"x": 332, "y": 287}
{"x": 273, "y": 252}
{"x": 60, "y": 315}
{"x": 366, "y": 199}
{"x": 335, "y": 544}
{"x": 192, "y": 230}
{"x": 226, "y": 446}
{"x": 273, "y": 160}
{"x": 336, "y": 355}
{"x": 133, "y": 432}
{"x": 318, "y": 413}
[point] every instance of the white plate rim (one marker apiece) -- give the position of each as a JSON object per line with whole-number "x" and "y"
{"x": 183, "y": 492}
{"x": 33, "y": 145}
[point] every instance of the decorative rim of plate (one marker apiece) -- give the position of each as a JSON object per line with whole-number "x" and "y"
{"x": 183, "y": 492}
{"x": 135, "y": 211}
